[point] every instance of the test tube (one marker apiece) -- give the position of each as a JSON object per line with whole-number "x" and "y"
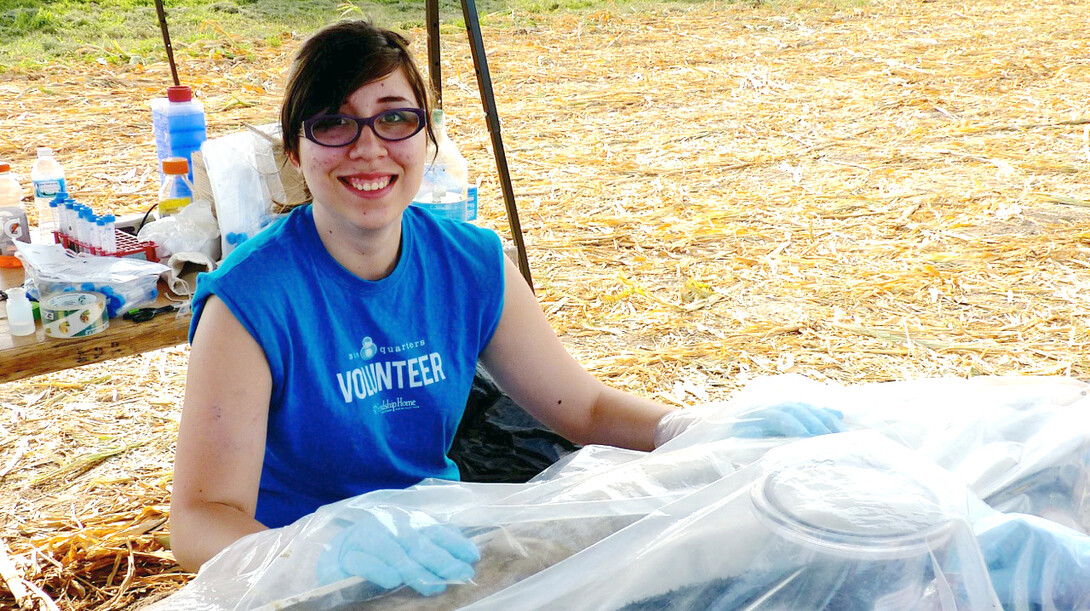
{"x": 81, "y": 225}
{"x": 66, "y": 217}
{"x": 54, "y": 213}
{"x": 100, "y": 234}
{"x": 111, "y": 234}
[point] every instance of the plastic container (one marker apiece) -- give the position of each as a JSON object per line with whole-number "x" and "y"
{"x": 855, "y": 529}
{"x": 179, "y": 124}
{"x": 20, "y": 313}
{"x": 47, "y": 176}
{"x": 445, "y": 188}
{"x": 176, "y": 192}
{"x": 11, "y": 192}
{"x": 13, "y": 221}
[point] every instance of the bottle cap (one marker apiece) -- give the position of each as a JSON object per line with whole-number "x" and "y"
{"x": 44, "y": 151}
{"x": 16, "y": 294}
{"x": 176, "y": 165}
{"x": 179, "y": 93}
{"x": 5, "y": 167}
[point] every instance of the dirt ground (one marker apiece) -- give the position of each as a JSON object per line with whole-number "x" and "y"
{"x": 888, "y": 190}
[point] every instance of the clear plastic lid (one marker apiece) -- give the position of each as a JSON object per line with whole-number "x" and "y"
{"x": 851, "y": 508}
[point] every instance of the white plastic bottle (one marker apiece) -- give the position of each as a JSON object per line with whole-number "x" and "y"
{"x": 444, "y": 190}
{"x": 11, "y": 192}
{"x": 12, "y": 216}
{"x": 47, "y": 176}
{"x": 20, "y": 313}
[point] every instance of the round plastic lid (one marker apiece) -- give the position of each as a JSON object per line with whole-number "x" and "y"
{"x": 179, "y": 93}
{"x": 175, "y": 165}
{"x": 5, "y": 167}
{"x": 852, "y": 507}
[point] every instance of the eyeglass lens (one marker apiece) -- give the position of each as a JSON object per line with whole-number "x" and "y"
{"x": 340, "y": 130}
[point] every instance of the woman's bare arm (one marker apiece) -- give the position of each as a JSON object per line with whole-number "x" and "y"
{"x": 530, "y": 364}
{"x": 221, "y": 441}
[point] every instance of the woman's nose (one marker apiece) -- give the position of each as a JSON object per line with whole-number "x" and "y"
{"x": 368, "y": 145}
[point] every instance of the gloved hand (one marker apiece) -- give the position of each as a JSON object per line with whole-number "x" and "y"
{"x": 391, "y": 549}
{"x": 783, "y": 420}
{"x": 1034, "y": 562}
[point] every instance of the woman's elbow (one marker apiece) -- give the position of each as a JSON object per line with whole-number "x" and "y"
{"x": 182, "y": 540}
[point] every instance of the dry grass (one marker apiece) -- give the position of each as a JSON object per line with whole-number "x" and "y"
{"x": 709, "y": 194}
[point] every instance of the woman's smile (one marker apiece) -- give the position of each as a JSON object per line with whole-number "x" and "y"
{"x": 369, "y": 185}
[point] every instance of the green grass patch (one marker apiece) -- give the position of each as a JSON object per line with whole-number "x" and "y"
{"x": 34, "y": 33}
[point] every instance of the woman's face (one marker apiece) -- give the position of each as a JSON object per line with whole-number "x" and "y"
{"x": 370, "y": 182}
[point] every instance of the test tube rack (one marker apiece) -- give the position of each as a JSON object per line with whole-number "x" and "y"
{"x": 127, "y": 246}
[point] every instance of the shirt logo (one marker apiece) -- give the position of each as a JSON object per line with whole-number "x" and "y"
{"x": 368, "y": 349}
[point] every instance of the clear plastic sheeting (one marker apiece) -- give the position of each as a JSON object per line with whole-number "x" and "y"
{"x": 1021, "y": 443}
{"x": 876, "y": 518}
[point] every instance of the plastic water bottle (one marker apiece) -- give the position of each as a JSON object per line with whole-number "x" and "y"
{"x": 179, "y": 125}
{"x": 20, "y": 313}
{"x": 47, "y": 176}
{"x": 444, "y": 190}
{"x": 176, "y": 191}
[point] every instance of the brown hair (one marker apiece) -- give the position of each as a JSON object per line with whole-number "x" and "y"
{"x": 335, "y": 62}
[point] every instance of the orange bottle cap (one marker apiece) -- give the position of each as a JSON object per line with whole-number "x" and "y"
{"x": 176, "y": 165}
{"x": 5, "y": 167}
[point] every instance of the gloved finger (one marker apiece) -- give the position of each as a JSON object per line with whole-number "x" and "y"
{"x": 769, "y": 423}
{"x": 396, "y": 556}
{"x": 329, "y": 569}
{"x": 361, "y": 564}
{"x": 453, "y": 541}
{"x": 1003, "y": 543}
{"x": 817, "y": 420}
{"x": 436, "y": 560}
{"x": 832, "y": 418}
{"x": 807, "y": 417}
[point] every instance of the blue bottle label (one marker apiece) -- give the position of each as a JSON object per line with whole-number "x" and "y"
{"x": 48, "y": 187}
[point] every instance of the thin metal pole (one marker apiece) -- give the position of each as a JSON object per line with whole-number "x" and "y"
{"x": 166, "y": 40}
{"x": 435, "y": 72}
{"x": 484, "y": 83}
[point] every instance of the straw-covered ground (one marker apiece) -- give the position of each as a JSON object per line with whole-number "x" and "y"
{"x": 710, "y": 193}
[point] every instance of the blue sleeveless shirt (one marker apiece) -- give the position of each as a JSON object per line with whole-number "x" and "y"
{"x": 369, "y": 378}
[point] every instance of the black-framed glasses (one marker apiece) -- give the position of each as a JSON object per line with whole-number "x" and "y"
{"x": 341, "y": 130}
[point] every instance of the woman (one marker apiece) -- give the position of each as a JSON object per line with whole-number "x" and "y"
{"x": 333, "y": 353}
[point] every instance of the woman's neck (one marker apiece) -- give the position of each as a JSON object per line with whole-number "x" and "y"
{"x": 371, "y": 254}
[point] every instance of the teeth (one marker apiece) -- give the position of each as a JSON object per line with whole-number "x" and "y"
{"x": 369, "y": 185}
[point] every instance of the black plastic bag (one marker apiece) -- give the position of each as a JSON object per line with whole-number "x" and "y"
{"x": 498, "y": 441}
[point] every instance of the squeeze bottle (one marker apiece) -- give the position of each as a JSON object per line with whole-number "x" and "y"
{"x": 20, "y": 313}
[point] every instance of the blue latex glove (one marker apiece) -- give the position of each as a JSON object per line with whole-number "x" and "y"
{"x": 391, "y": 550}
{"x": 783, "y": 420}
{"x": 1035, "y": 563}
{"x": 789, "y": 420}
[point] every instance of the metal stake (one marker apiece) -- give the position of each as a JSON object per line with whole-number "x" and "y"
{"x": 492, "y": 119}
{"x": 166, "y": 40}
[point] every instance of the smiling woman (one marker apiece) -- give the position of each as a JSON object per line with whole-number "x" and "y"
{"x": 284, "y": 412}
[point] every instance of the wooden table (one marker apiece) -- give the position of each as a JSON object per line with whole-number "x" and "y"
{"x": 22, "y": 357}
